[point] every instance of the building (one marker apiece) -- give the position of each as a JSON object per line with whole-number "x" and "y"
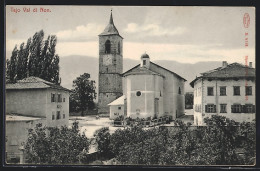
{"x": 16, "y": 135}
{"x": 228, "y": 91}
{"x": 151, "y": 90}
{"x": 31, "y": 101}
{"x": 117, "y": 107}
{"x": 36, "y": 97}
{"x": 110, "y": 66}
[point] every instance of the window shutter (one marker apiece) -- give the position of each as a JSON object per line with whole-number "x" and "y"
{"x": 232, "y": 108}
{"x": 253, "y": 108}
{"x": 240, "y": 108}
{"x": 243, "y": 109}
{"x": 206, "y": 108}
{"x": 214, "y": 109}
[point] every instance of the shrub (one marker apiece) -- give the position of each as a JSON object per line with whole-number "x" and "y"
{"x": 102, "y": 138}
{"x": 53, "y": 145}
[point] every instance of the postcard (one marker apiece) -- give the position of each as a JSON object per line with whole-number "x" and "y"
{"x": 130, "y": 85}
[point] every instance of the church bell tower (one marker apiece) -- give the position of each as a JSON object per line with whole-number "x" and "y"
{"x": 110, "y": 66}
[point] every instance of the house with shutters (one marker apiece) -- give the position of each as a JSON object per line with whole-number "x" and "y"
{"x": 35, "y": 97}
{"x": 228, "y": 90}
{"x": 28, "y": 102}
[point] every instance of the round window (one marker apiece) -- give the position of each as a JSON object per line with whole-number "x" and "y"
{"x": 138, "y": 93}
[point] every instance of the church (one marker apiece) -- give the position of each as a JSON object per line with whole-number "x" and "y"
{"x": 146, "y": 90}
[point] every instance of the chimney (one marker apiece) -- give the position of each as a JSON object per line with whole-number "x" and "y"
{"x": 250, "y": 64}
{"x": 224, "y": 63}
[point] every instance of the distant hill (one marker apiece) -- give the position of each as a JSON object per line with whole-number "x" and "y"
{"x": 73, "y": 66}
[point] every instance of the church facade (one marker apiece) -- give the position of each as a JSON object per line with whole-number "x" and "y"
{"x": 110, "y": 66}
{"x": 152, "y": 91}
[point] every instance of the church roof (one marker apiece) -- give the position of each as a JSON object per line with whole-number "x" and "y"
{"x": 33, "y": 83}
{"x": 234, "y": 70}
{"x": 110, "y": 28}
{"x": 137, "y": 68}
{"x": 118, "y": 101}
{"x": 141, "y": 71}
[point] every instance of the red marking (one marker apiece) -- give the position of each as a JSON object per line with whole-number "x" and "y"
{"x": 246, "y": 20}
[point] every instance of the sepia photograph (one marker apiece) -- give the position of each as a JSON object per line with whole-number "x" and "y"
{"x": 130, "y": 85}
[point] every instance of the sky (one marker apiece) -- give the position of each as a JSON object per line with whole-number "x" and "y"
{"x": 182, "y": 34}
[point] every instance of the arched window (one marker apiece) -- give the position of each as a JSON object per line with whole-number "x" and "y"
{"x": 179, "y": 90}
{"x": 107, "y": 46}
{"x": 118, "y": 50}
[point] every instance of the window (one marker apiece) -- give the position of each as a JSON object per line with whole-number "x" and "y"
{"x": 52, "y": 97}
{"x": 210, "y": 108}
{"x": 179, "y": 90}
{"x": 144, "y": 62}
{"x": 236, "y": 108}
{"x": 53, "y": 115}
{"x": 223, "y": 91}
{"x": 58, "y": 115}
{"x": 64, "y": 99}
{"x": 138, "y": 93}
{"x": 119, "y": 48}
{"x": 248, "y": 90}
{"x": 249, "y": 108}
{"x": 59, "y": 98}
{"x": 119, "y": 108}
{"x": 107, "y": 47}
{"x": 63, "y": 116}
{"x": 210, "y": 91}
{"x": 236, "y": 91}
{"x": 223, "y": 108}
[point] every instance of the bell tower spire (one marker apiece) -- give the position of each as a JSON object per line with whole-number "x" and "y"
{"x": 111, "y": 18}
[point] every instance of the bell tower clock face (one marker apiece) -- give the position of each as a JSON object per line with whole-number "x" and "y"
{"x": 107, "y": 60}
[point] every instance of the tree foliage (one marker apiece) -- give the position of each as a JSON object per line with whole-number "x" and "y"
{"x": 188, "y": 100}
{"x": 102, "y": 138}
{"x": 36, "y": 58}
{"x": 52, "y": 145}
{"x": 218, "y": 143}
{"x": 83, "y": 94}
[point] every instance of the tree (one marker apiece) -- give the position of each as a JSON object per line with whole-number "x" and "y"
{"x": 83, "y": 93}
{"x": 12, "y": 65}
{"x": 52, "y": 145}
{"x": 37, "y": 58}
{"x": 188, "y": 100}
{"x": 102, "y": 139}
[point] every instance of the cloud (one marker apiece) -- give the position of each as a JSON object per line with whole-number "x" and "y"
{"x": 153, "y": 30}
{"x": 81, "y": 33}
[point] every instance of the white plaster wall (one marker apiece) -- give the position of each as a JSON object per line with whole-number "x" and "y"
{"x": 63, "y": 107}
{"x": 229, "y": 99}
{"x": 27, "y": 102}
{"x": 115, "y": 112}
{"x": 17, "y": 134}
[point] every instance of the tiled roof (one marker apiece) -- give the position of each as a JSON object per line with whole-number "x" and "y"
{"x": 110, "y": 28}
{"x": 20, "y": 118}
{"x": 33, "y": 83}
{"x": 234, "y": 70}
{"x": 137, "y": 68}
{"x": 118, "y": 101}
{"x": 141, "y": 71}
{"x": 231, "y": 70}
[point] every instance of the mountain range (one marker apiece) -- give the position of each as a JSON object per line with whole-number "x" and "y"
{"x": 72, "y": 67}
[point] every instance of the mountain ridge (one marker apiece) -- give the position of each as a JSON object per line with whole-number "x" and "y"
{"x": 88, "y": 64}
